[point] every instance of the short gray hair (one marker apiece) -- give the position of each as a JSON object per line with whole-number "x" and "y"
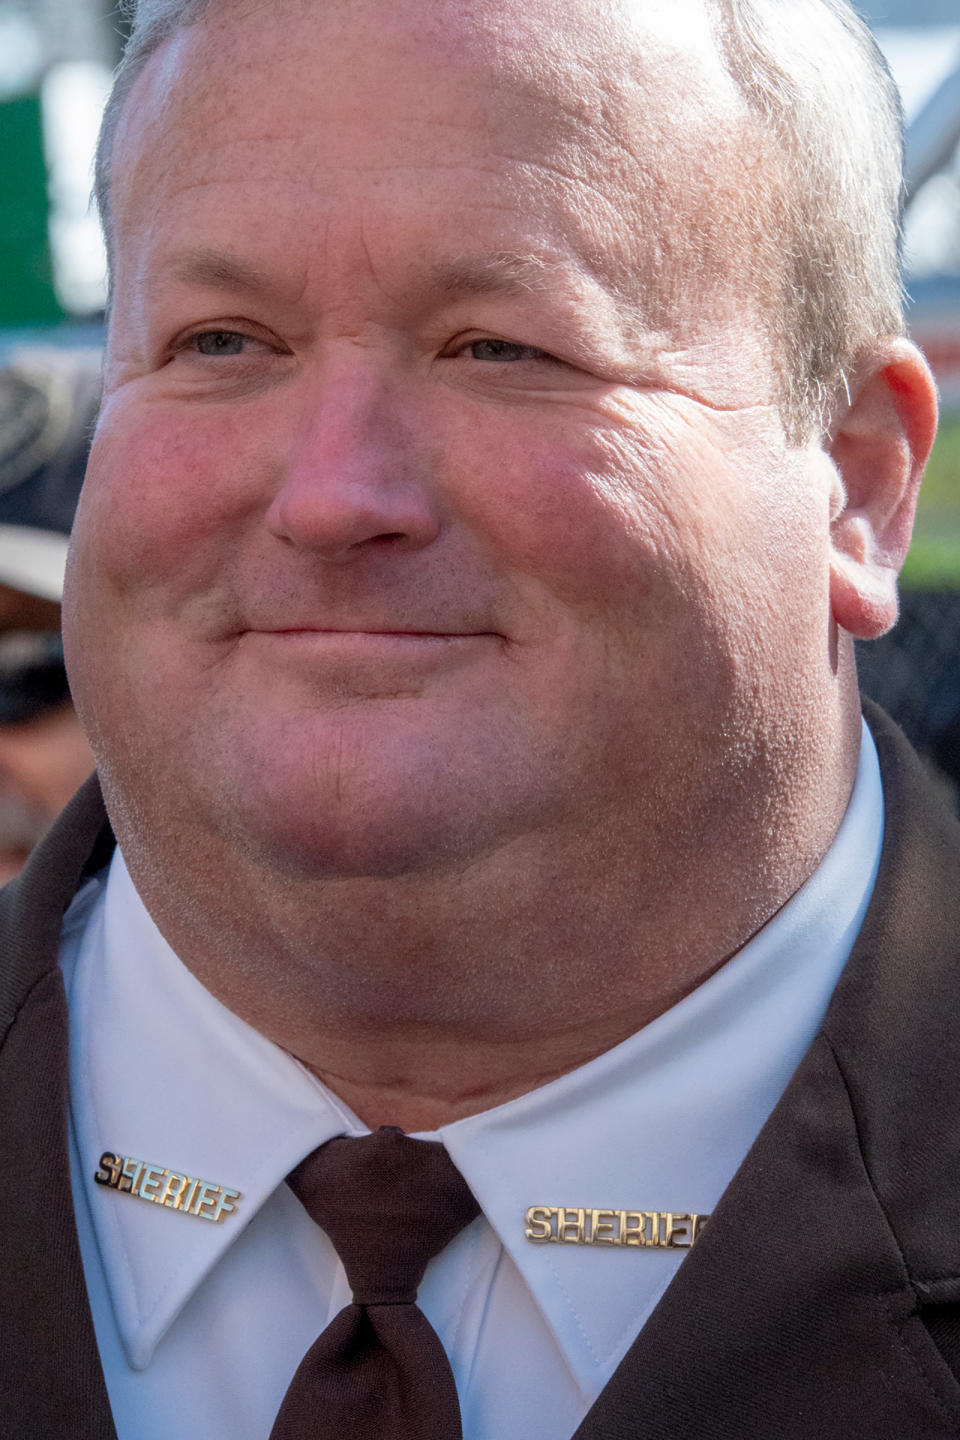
{"x": 152, "y": 22}
{"x": 814, "y": 77}
{"x": 825, "y": 229}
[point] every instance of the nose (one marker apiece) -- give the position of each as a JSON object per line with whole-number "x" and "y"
{"x": 355, "y": 478}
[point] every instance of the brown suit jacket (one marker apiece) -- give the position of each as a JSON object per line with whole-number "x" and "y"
{"x": 822, "y": 1302}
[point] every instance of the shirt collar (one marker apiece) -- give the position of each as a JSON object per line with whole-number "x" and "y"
{"x": 663, "y": 1121}
{"x": 163, "y": 1072}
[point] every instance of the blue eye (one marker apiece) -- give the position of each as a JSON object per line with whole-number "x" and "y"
{"x": 504, "y": 350}
{"x": 219, "y": 342}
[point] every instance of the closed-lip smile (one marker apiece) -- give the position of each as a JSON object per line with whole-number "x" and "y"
{"x": 323, "y": 650}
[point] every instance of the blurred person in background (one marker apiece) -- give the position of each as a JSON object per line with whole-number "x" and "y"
{"x": 48, "y": 402}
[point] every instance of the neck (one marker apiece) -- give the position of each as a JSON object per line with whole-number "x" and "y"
{"x": 420, "y": 999}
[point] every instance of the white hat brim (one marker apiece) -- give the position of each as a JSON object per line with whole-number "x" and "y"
{"x": 33, "y": 561}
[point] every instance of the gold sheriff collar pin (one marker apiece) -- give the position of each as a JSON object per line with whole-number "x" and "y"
{"x": 173, "y": 1189}
{"x": 642, "y": 1229}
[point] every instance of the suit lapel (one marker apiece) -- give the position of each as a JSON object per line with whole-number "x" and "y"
{"x": 51, "y": 1381}
{"x": 798, "y": 1314}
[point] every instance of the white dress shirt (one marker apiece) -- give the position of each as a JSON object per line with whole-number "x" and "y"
{"x": 201, "y": 1326}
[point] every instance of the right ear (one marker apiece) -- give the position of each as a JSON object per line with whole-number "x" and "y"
{"x": 880, "y": 447}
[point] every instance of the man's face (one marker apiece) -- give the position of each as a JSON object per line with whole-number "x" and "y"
{"x": 416, "y": 520}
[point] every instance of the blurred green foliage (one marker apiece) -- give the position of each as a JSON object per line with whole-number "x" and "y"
{"x": 26, "y": 289}
{"x": 934, "y": 559}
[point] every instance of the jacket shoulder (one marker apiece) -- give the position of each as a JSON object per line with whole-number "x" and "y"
{"x": 33, "y": 905}
{"x": 894, "y": 1022}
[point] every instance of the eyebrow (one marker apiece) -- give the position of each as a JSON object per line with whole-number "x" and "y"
{"x": 514, "y": 273}
{"x": 491, "y": 273}
{"x": 218, "y": 271}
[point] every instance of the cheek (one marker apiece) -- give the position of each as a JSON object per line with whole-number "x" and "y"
{"x": 164, "y": 492}
{"x": 597, "y": 512}
{"x": 670, "y": 536}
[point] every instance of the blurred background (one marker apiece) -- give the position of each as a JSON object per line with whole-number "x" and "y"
{"x": 56, "y": 59}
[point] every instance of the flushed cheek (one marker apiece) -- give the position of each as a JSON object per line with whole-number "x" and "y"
{"x": 593, "y": 515}
{"x": 167, "y": 494}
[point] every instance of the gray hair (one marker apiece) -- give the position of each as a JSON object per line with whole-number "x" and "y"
{"x": 824, "y": 220}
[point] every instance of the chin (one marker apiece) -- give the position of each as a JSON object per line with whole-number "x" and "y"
{"x": 372, "y": 801}
{"x": 379, "y": 820}
{"x": 395, "y": 841}
{"x": 306, "y": 799}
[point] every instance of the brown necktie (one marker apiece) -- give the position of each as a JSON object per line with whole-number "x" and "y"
{"x": 378, "y": 1371}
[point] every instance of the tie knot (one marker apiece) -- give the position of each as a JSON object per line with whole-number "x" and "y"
{"x": 388, "y": 1204}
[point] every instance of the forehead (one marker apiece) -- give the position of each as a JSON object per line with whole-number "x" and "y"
{"x": 604, "y": 129}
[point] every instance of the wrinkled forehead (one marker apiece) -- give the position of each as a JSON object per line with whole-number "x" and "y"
{"x": 627, "y": 104}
